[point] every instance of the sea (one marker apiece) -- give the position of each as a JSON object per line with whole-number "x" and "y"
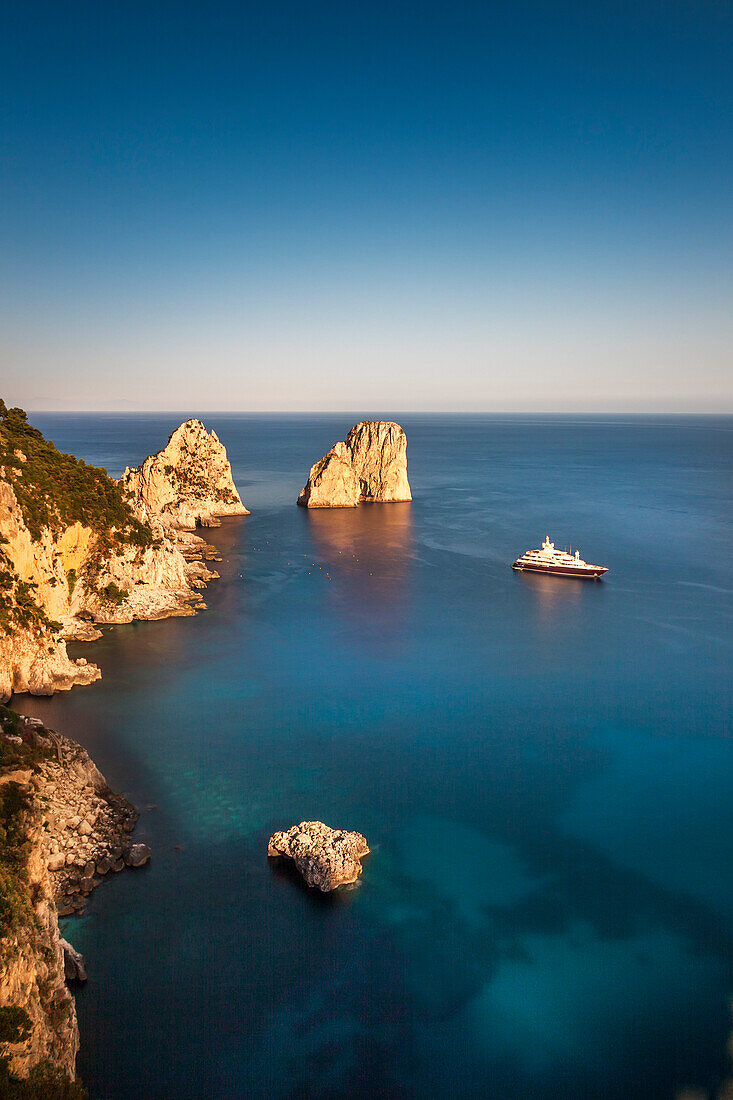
{"x": 543, "y": 769}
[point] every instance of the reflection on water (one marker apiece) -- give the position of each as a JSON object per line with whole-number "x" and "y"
{"x": 366, "y": 553}
{"x": 553, "y": 593}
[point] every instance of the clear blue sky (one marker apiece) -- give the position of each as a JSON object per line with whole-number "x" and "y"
{"x": 357, "y": 205}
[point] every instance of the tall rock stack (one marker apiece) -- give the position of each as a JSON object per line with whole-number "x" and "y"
{"x": 188, "y": 483}
{"x": 370, "y": 466}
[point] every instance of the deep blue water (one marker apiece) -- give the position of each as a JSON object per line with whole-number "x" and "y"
{"x": 542, "y": 768}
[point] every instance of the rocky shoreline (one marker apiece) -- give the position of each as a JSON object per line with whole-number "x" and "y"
{"x": 93, "y": 553}
{"x": 73, "y": 831}
{"x": 87, "y": 826}
{"x": 64, "y": 572}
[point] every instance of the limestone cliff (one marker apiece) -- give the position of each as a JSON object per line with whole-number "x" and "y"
{"x": 371, "y": 465}
{"x": 34, "y": 661}
{"x": 62, "y": 829}
{"x": 32, "y": 980}
{"x": 188, "y": 483}
{"x": 73, "y": 552}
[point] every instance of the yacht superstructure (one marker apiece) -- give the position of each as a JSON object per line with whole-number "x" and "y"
{"x": 559, "y": 563}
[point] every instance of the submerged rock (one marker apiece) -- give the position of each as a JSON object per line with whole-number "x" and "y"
{"x": 371, "y": 465}
{"x": 326, "y": 858}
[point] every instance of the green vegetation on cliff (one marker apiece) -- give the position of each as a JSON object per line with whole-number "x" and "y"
{"x": 56, "y": 490}
{"x": 15, "y": 905}
{"x": 16, "y": 812}
{"x": 21, "y": 749}
{"x": 44, "y": 1082}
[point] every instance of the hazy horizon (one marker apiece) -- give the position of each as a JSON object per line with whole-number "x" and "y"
{"x": 373, "y": 415}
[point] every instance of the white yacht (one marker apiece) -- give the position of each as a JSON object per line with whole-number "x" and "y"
{"x": 559, "y": 563}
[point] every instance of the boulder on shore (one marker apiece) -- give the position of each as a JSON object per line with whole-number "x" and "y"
{"x": 136, "y": 855}
{"x": 370, "y": 466}
{"x": 326, "y": 858}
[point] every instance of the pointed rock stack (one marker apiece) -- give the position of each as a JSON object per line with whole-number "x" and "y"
{"x": 189, "y": 482}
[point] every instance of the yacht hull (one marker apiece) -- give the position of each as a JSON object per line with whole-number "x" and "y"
{"x": 583, "y": 573}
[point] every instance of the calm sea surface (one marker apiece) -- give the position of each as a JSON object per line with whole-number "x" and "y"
{"x": 543, "y": 770}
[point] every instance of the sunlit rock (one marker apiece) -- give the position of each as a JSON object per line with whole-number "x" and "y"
{"x": 326, "y": 858}
{"x": 371, "y": 465}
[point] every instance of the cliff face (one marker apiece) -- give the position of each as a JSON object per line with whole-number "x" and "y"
{"x": 371, "y": 465}
{"x": 32, "y": 958}
{"x": 57, "y": 583}
{"x": 62, "y": 831}
{"x": 186, "y": 484}
{"x": 78, "y": 548}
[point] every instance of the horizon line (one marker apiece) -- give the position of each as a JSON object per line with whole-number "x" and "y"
{"x": 398, "y": 412}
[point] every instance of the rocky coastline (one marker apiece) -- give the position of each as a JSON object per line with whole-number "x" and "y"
{"x": 68, "y": 566}
{"x": 78, "y": 550}
{"x": 70, "y": 831}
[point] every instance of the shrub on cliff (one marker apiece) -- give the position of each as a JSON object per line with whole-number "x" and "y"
{"x": 44, "y": 1082}
{"x": 15, "y": 1024}
{"x": 56, "y": 490}
{"x": 21, "y": 745}
{"x": 113, "y": 594}
{"x": 15, "y": 907}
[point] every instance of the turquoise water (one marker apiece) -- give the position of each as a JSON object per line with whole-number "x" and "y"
{"x": 542, "y": 769}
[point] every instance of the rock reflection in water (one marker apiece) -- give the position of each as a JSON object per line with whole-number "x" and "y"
{"x": 367, "y": 554}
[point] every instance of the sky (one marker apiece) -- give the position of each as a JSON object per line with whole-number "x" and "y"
{"x": 460, "y": 206}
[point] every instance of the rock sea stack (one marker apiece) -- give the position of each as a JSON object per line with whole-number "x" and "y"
{"x": 326, "y": 858}
{"x": 188, "y": 483}
{"x": 370, "y": 466}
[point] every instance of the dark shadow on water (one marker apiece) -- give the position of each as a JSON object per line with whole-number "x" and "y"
{"x": 284, "y": 869}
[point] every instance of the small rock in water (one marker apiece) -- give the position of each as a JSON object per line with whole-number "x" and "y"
{"x": 74, "y": 966}
{"x": 326, "y": 858}
{"x": 136, "y": 855}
